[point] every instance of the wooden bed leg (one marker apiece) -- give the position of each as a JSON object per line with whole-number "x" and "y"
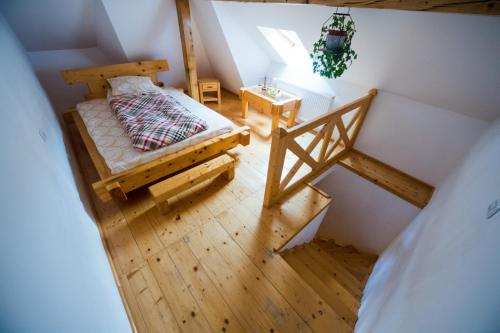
{"x": 245, "y": 138}
{"x": 229, "y": 173}
{"x": 163, "y": 207}
{"x": 116, "y": 191}
{"x": 67, "y": 116}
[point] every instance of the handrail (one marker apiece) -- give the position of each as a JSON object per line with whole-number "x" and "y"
{"x": 336, "y": 139}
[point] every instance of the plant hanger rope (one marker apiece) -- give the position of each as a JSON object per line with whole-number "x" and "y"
{"x": 332, "y": 53}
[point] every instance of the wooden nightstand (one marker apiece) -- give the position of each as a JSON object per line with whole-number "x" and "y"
{"x": 209, "y": 90}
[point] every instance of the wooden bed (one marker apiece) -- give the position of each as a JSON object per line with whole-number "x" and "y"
{"x": 117, "y": 185}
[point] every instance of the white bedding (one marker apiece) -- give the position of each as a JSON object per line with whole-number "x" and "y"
{"x": 114, "y": 144}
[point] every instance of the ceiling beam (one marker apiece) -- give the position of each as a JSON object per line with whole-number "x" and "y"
{"x": 184, "y": 17}
{"x": 482, "y": 7}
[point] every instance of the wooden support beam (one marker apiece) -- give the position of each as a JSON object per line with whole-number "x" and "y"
{"x": 482, "y": 7}
{"x": 184, "y": 17}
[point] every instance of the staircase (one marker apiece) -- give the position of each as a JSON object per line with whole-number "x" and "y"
{"x": 337, "y": 273}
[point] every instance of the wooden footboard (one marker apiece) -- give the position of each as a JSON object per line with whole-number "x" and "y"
{"x": 118, "y": 185}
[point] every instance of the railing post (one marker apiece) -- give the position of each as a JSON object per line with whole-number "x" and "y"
{"x": 364, "y": 110}
{"x": 275, "y": 166}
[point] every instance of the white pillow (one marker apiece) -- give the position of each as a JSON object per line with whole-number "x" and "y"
{"x": 131, "y": 85}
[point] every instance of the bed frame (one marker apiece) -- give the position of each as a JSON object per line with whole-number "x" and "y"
{"x": 118, "y": 185}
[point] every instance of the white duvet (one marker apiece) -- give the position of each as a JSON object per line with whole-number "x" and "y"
{"x": 114, "y": 145}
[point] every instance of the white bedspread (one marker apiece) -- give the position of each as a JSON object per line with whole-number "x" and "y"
{"x": 114, "y": 144}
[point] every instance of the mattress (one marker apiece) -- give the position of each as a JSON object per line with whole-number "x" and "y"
{"x": 115, "y": 146}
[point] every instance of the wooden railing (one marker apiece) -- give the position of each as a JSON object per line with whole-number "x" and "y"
{"x": 336, "y": 131}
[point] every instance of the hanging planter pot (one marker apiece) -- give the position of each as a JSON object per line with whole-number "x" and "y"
{"x": 335, "y": 40}
{"x": 332, "y": 53}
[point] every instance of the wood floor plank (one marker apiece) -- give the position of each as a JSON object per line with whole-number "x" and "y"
{"x": 210, "y": 301}
{"x": 154, "y": 309}
{"x": 133, "y": 305}
{"x": 170, "y": 226}
{"x": 128, "y": 254}
{"x": 283, "y": 315}
{"x": 216, "y": 196}
{"x": 176, "y": 292}
{"x": 234, "y": 291}
{"x": 143, "y": 232}
{"x": 309, "y": 305}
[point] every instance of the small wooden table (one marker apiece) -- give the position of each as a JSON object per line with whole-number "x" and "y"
{"x": 282, "y": 103}
{"x": 210, "y": 86}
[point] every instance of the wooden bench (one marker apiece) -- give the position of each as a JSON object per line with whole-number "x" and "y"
{"x": 168, "y": 188}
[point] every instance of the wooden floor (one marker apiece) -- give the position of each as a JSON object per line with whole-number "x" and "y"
{"x": 209, "y": 265}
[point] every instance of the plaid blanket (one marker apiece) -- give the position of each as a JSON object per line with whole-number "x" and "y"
{"x": 154, "y": 120}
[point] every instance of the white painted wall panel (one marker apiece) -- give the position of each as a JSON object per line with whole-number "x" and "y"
{"x": 149, "y": 30}
{"x": 55, "y": 274}
{"x": 441, "y": 274}
{"x": 52, "y": 24}
{"x": 106, "y": 39}
{"x": 216, "y": 46}
{"x": 48, "y": 64}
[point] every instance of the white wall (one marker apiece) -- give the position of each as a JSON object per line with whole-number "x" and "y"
{"x": 215, "y": 44}
{"x": 52, "y": 24}
{"x": 441, "y": 274}
{"x": 55, "y": 274}
{"x": 48, "y": 66}
{"x": 106, "y": 38}
{"x": 203, "y": 64}
{"x": 150, "y": 30}
{"x": 362, "y": 214}
{"x": 429, "y": 110}
{"x": 251, "y": 61}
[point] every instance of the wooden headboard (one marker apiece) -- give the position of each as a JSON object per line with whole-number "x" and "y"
{"x": 95, "y": 77}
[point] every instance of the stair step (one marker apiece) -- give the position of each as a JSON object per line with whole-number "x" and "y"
{"x": 330, "y": 291}
{"x": 330, "y": 281}
{"x": 334, "y": 247}
{"x": 360, "y": 265}
{"x": 357, "y": 259}
{"x": 336, "y": 269}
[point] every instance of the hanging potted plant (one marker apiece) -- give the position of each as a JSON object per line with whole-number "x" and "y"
{"x": 332, "y": 53}
{"x": 335, "y": 40}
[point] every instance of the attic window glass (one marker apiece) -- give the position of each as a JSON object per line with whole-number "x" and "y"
{"x": 286, "y": 43}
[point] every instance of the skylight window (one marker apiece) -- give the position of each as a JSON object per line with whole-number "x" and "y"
{"x": 287, "y": 44}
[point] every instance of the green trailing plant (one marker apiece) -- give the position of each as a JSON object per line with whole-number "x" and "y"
{"x": 332, "y": 63}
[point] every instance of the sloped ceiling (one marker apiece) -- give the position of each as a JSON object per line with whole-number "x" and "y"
{"x": 52, "y": 24}
{"x": 446, "y": 60}
{"x": 123, "y": 30}
{"x": 216, "y": 45}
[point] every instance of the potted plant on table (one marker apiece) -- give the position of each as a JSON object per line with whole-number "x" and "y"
{"x": 332, "y": 53}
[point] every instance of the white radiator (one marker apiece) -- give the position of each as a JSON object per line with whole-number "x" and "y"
{"x": 313, "y": 103}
